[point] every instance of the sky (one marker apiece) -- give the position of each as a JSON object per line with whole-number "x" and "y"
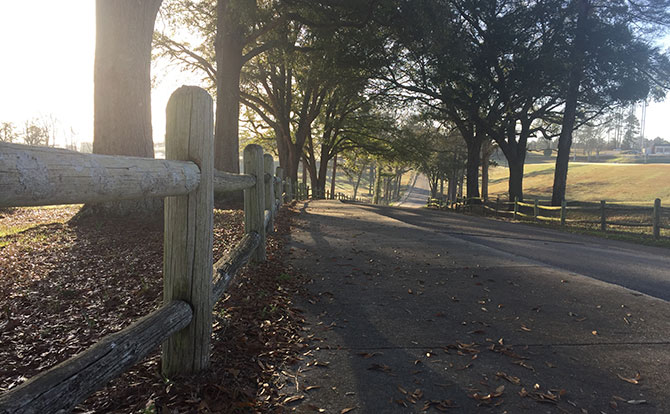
{"x": 47, "y": 70}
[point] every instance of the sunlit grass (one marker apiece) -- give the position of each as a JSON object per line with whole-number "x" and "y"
{"x": 592, "y": 182}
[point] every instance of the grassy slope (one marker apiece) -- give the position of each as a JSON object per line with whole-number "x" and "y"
{"x": 593, "y": 182}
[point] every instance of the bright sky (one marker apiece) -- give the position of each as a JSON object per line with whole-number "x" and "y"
{"x": 48, "y": 48}
{"x": 47, "y": 69}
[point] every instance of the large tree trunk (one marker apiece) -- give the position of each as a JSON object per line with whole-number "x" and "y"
{"x": 228, "y": 49}
{"x": 122, "y": 91}
{"x": 487, "y": 150}
{"x": 122, "y": 82}
{"x": 474, "y": 152}
{"x": 570, "y": 111}
{"x": 515, "y": 178}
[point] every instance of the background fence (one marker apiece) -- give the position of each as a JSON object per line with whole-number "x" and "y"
{"x": 34, "y": 176}
{"x": 639, "y": 217}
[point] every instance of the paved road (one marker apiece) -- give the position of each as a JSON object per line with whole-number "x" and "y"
{"x": 645, "y": 269}
{"x": 417, "y": 195}
{"x": 404, "y": 306}
{"x": 641, "y": 268}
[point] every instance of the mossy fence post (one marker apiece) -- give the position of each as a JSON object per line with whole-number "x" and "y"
{"x": 188, "y": 238}
{"x": 254, "y": 197}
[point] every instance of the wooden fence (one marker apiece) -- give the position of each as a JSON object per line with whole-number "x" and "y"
{"x": 304, "y": 192}
{"x": 34, "y": 176}
{"x": 603, "y": 216}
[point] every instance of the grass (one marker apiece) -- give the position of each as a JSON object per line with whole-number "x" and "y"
{"x": 592, "y": 182}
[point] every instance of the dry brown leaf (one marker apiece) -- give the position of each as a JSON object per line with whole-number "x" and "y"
{"x": 524, "y": 364}
{"x": 635, "y": 380}
{"x": 346, "y": 410}
{"x": 511, "y": 378}
{"x": 292, "y": 399}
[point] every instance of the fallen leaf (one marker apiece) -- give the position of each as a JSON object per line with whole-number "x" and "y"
{"x": 635, "y": 380}
{"x": 511, "y": 378}
{"x": 524, "y": 364}
{"x": 368, "y": 355}
{"x": 292, "y": 399}
{"x": 346, "y": 410}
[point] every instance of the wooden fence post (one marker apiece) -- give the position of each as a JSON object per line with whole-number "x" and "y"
{"x": 187, "y": 260}
{"x": 564, "y": 206}
{"x": 289, "y": 189}
{"x": 269, "y": 166}
{"x": 254, "y": 198}
{"x": 603, "y": 216}
{"x": 497, "y": 205}
{"x": 281, "y": 187}
{"x": 516, "y": 207}
{"x": 536, "y": 210}
{"x": 657, "y": 218}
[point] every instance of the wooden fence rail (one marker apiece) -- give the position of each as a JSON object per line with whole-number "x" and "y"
{"x": 650, "y": 217}
{"x": 32, "y": 176}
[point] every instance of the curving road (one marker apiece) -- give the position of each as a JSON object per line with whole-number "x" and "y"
{"x": 641, "y": 268}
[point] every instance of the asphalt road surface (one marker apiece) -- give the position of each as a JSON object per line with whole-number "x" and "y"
{"x": 403, "y": 307}
{"x": 641, "y": 268}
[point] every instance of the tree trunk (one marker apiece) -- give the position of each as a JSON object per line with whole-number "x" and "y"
{"x": 378, "y": 184}
{"x": 332, "y": 180}
{"x": 372, "y": 179}
{"x": 570, "y": 111}
{"x": 487, "y": 150}
{"x": 358, "y": 179}
{"x": 474, "y": 152}
{"x": 122, "y": 82}
{"x": 122, "y": 92}
{"x": 228, "y": 50}
{"x": 515, "y": 179}
{"x": 452, "y": 188}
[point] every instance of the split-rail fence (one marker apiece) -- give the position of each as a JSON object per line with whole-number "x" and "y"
{"x": 192, "y": 283}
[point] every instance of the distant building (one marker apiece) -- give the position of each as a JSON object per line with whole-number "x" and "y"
{"x": 660, "y": 149}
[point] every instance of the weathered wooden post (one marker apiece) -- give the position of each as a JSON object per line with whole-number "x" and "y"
{"x": 281, "y": 187}
{"x": 536, "y": 210}
{"x": 187, "y": 246}
{"x": 564, "y": 209}
{"x": 254, "y": 198}
{"x": 289, "y": 189}
{"x": 657, "y": 218}
{"x": 603, "y": 216}
{"x": 269, "y": 166}
{"x": 497, "y": 205}
{"x": 516, "y": 207}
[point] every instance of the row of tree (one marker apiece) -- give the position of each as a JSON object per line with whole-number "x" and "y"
{"x": 427, "y": 82}
{"x": 36, "y": 131}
